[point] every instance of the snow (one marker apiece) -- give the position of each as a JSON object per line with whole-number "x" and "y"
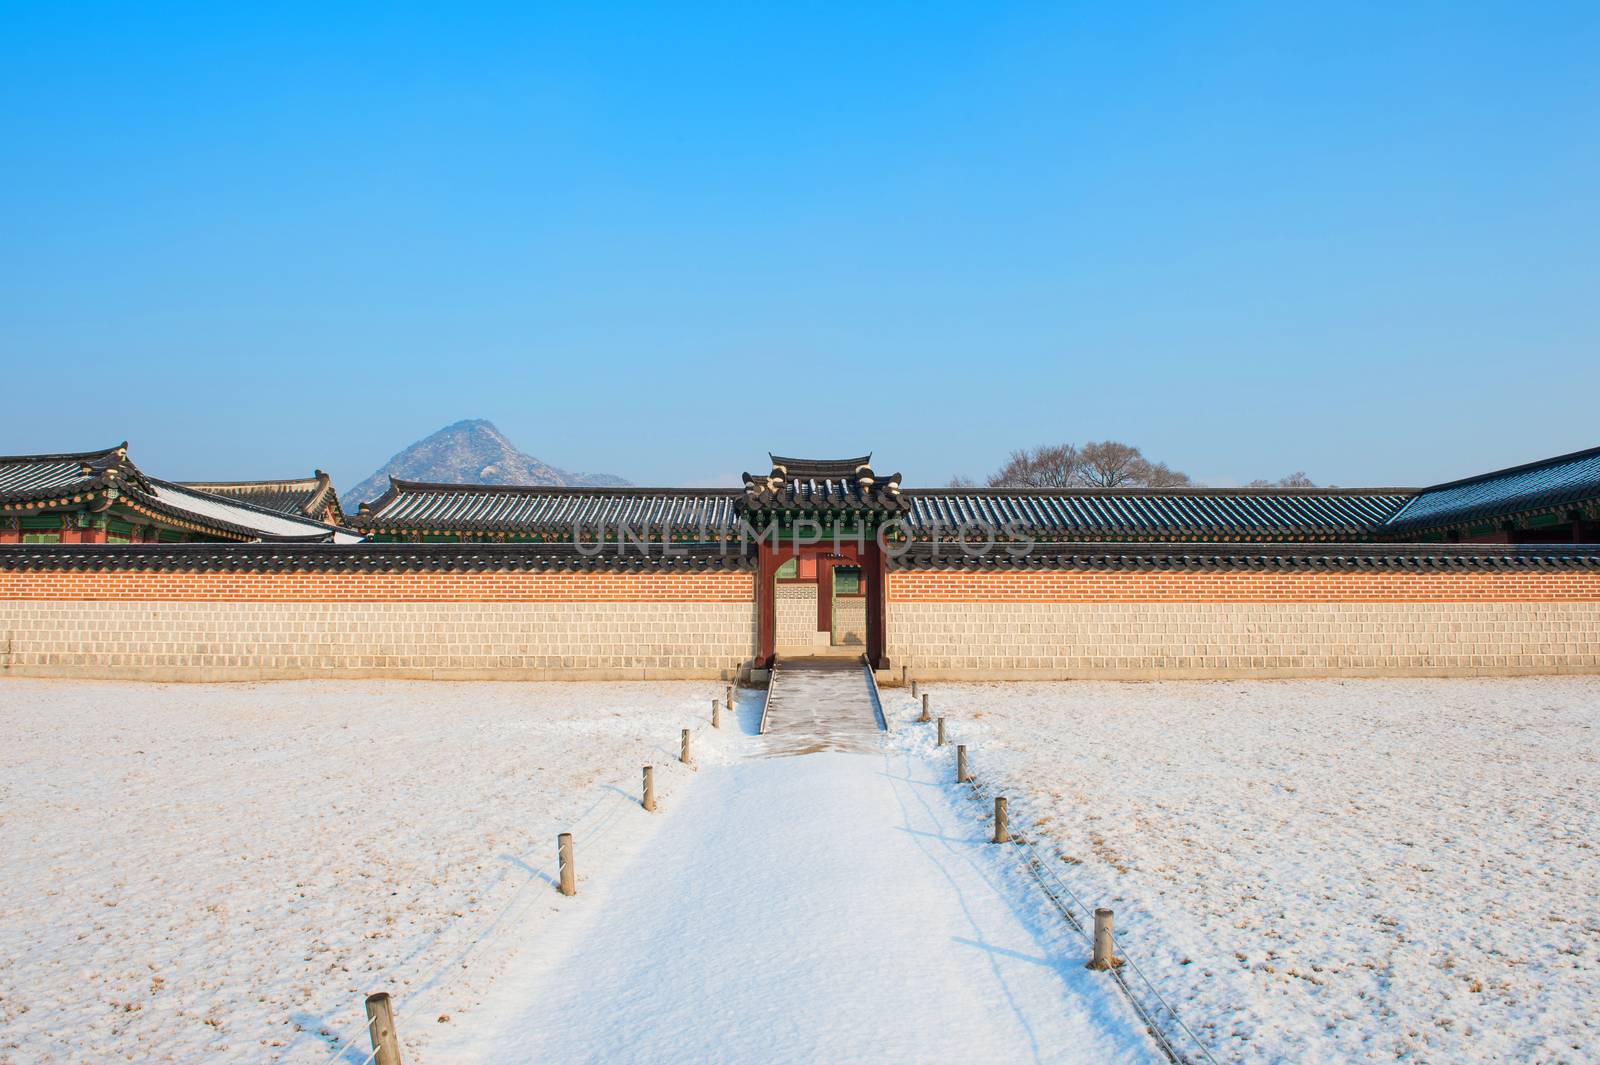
{"x": 827, "y": 907}
{"x": 260, "y": 519}
{"x": 222, "y": 872}
{"x": 1368, "y": 870}
{"x": 1310, "y": 870}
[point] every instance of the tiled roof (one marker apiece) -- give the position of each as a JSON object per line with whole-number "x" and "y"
{"x": 822, "y": 484}
{"x": 24, "y": 478}
{"x": 824, "y": 468}
{"x": 308, "y": 497}
{"x": 708, "y": 514}
{"x": 1563, "y": 481}
{"x": 204, "y": 510}
{"x": 1159, "y": 512}
{"x": 105, "y": 478}
{"x": 412, "y": 506}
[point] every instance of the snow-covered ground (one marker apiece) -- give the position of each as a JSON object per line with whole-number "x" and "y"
{"x": 222, "y": 872}
{"x": 1322, "y": 870}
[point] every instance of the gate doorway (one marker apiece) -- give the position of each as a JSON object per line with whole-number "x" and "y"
{"x": 820, "y": 600}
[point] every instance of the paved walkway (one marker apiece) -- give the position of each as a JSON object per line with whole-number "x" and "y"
{"x": 820, "y": 704}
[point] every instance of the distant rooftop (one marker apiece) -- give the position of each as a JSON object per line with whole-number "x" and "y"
{"x": 1551, "y": 484}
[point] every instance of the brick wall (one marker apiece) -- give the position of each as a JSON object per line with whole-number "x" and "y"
{"x": 407, "y": 586}
{"x": 1159, "y": 624}
{"x": 510, "y": 625}
{"x": 1235, "y": 586}
{"x": 1130, "y": 624}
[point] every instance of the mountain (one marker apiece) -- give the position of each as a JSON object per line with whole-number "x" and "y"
{"x": 469, "y": 452}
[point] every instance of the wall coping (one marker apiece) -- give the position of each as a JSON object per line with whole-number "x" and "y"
{"x": 1206, "y": 557}
{"x": 371, "y": 558}
{"x": 715, "y": 558}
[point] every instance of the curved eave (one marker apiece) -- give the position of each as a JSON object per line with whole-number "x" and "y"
{"x": 53, "y": 501}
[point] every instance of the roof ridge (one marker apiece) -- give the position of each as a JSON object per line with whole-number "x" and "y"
{"x": 305, "y": 482}
{"x": 629, "y": 489}
{"x": 65, "y": 455}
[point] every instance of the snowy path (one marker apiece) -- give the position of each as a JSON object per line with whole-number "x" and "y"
{"x": 830, "y": 907}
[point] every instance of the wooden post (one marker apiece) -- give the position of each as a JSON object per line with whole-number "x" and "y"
{"x": 1103, "y": 958}
{"x": 941, "y": 733}
{"x": 380, "y": 1024}
{"x": 683, "y": 748}
{"x": 905, "y": 675}
{"x": 1002, "y": 830}
{"x": 569, "y": 876}
{"x": 924, "y": 716}
{"x": 716, "y": 713}
{"x": 729, "y": 695}
{"x": 913, "y": 689}
{"x": 649, "y": 787}
{"x": 961, "y": 763}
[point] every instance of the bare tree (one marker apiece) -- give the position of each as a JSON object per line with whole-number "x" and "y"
{"x": 1111, "y": 463}
{"x": 961, "y": 480}
{"x": 1160, "y": 475}
{"x": 1298, "y": 479}
{"x": 1046, "y": 466}
{"x": 1105, "y": 464}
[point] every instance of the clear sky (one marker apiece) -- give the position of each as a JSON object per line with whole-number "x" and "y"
{"x": 1359, "y": 240}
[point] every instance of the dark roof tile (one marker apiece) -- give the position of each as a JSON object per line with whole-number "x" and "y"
{"x": 1562, "y": 481}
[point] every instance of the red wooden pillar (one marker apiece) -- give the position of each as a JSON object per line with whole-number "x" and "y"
{"x": 10, "y": 531}
{"x": 875, "y": 570}
{"x": 825, "y": 594}
{"x": 768, "y": 560}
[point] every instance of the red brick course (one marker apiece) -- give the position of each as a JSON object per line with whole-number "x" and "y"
{"x": 1177, "y": 586}
{"x": 221, "y": 586}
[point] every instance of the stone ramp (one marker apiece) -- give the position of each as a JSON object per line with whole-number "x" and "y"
{"x": 819, "y": 704}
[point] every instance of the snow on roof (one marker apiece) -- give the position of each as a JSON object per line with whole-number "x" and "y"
{"x": 244, "y": 515}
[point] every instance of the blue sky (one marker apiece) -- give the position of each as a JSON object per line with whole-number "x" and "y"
{"x": 1359, "y": 240}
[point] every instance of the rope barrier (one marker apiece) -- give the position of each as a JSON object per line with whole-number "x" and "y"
{"x": 350, "y": 1042}
{"x": 1027, "y": 856}
{"x": 431, "y": 984}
